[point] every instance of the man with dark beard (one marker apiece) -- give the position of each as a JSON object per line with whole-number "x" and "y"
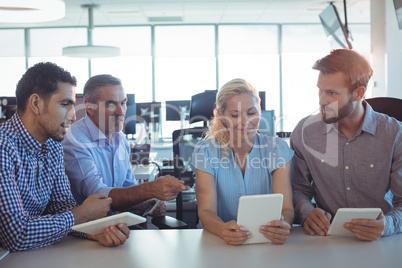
{"x": 348, "y": 155}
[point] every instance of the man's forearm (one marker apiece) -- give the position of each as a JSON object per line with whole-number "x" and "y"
{"x": 302, "y": 206}
{"x": 126, "y": 198}
{"x": 393, "y": 222}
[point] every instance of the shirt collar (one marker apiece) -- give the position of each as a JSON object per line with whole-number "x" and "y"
{"x": 369, "y": 125}
{"x": 94, "y": 131}
{"x": 28, "y": 141}
{"x": 97, "y": 134}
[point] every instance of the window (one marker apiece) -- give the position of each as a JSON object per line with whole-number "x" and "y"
{"x": 134, "y": 66}
{"x": 251, "y": 52}
{"x": 184, "y": 61}
{"x": 47, "y": 45}
{"x": 12, "y": 60}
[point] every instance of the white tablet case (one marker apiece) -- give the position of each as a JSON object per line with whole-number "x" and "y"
{"x": 97, "y": 226}
{"x": 344, "y": 215}
{"x": 257, "y": 210}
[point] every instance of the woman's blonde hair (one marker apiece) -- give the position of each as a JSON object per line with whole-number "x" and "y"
{"x": 217, "y": 131}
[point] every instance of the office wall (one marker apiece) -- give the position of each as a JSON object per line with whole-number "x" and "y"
{"x": 394, "y": 52}
{"x": 386, "y": 50}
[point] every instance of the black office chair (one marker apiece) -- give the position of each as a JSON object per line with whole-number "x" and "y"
{"x": 389, "y": 106}
{"x": 184, "y": 141}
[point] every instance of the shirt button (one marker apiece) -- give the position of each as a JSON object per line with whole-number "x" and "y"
{"x": 347, "y": 143}
{"x": 348, "y": 188}
{"x": 322, "y": 161}
{"x": 371, "y": 165}
{"x": 347, "y": 167}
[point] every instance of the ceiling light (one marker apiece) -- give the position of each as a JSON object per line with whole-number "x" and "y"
{"x": 165, "y": 18}
{"x": 91, "y": 51}
{"x": 23, "y": 11}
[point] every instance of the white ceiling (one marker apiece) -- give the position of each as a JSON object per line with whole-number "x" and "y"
{"x": 134, "y": 12}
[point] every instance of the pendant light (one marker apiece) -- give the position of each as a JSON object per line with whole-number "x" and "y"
{"x": 91, "y": 51}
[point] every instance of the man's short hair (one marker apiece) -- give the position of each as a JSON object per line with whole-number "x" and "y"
{"x": 97, "y": 81}
{"x": 355, "y": 67}
{"x": 41, "y": 79}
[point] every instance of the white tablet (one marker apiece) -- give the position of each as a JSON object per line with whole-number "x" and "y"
{"x": 344, "y": 215}
{"x": 257, "y": 210}
{"x": 97, "y": 226}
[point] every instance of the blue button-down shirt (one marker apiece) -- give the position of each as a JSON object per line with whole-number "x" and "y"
{"x": 93, "y": 164}
{"x": 35, "y": 197}
{"x": 267, "y": 155}
{"x": 360, "y": 172}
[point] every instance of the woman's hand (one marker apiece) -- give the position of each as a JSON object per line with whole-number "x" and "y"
{"x": 276, "y": 231}
{"x": 234, "y": 234}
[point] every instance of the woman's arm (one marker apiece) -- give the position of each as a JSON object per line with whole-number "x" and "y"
{"x": 281, "y": 184}
{"x": 278, "y": 231}
{"x": 231, "y": 232}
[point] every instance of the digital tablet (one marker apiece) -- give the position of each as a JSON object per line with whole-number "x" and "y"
{"x": 344, "y": 215}
{"x": 257, "y": 210}
{"x": 97, "y": 226}
{"x": 3, "y": 253}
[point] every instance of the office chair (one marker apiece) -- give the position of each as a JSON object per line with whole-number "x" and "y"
{"x": 184, "y": 141}
{"x": 389, "y": 106}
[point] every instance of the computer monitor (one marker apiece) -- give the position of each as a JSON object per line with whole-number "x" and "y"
{"x": 398, "y": 11}
{"x": 202, "y": 106}
{"x": 148, "y": 112}
{"x": 8, "y": 107}
{"x": 131, "y": 115}
{"x": 337, "y": 33}
{"x": 262, "y": 97}
{"x": 79, "y": 106}
{"x": 177, "y": 110}
{"x": 267, "y": 123}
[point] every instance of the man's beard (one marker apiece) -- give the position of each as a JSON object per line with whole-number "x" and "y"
{"x": 342, "y": 113}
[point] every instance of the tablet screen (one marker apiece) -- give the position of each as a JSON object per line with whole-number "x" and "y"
{"x": 257, "y": 210}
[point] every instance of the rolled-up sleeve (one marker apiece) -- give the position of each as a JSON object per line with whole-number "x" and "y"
{"x": 303, "y": 191}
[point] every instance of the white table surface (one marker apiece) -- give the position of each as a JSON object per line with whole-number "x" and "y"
{"x": 198, "y": 248}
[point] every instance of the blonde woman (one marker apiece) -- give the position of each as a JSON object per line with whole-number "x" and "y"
{"x": 234, "y": 160}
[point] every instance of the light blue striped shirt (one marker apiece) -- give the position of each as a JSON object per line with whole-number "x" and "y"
{"x": 267, "y": 155}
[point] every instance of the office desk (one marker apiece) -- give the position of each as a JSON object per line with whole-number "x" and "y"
{"x": 201, "y": 249}
{"x": 145, "y": 173}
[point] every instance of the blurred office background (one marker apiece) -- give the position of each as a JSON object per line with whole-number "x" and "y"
{"x": 173, "y": 49}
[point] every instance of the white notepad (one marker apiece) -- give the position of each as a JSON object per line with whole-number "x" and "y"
{"x": 257, "y": 210}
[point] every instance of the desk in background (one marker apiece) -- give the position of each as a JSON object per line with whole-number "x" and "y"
{"x": 144, "y": 173}
{"x": 202, "y": 249}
